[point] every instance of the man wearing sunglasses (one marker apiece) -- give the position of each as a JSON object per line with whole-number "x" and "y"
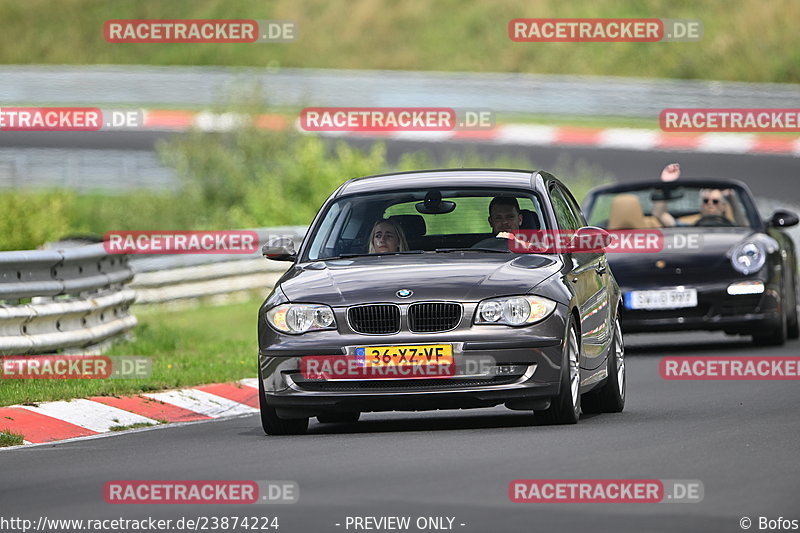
{"x": 716, "y": 206}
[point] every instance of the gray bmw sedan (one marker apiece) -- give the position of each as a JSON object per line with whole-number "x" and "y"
{"x": 413, "y": 291}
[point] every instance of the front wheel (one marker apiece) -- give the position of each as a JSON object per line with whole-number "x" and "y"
{"x": 611, "y": 397}
{"x": 566, "y": 407}
{"x": 792, "y": 326}
{"x": 777, "y": 335}
{"x": 271, "y": 422}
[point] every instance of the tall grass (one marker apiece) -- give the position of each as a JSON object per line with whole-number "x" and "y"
{"x": 747, "y": 40}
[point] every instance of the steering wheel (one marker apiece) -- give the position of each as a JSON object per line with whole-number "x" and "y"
{"x": 713, "y": 220}
{"x": 495, "y": 243}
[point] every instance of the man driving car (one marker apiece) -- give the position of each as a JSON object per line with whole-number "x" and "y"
{"x": 504, "y": 218}
{"x": 715, "y": 206}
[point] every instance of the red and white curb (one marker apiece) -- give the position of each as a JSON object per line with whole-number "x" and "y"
{"x": 56, "y": 421}
{"x": 515, "y": 134}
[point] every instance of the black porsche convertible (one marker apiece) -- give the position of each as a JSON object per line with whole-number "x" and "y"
{"x": 721, "y": 267}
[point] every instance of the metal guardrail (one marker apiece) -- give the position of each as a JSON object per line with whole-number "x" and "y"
{"x": 78, "y": 297}
{"x": 62, "y": 299}
{"x": 172, "y": 278}
{"x": 206, "y": 87}
{"x": 84, "y": 170}
{"x": 502, "y": 93}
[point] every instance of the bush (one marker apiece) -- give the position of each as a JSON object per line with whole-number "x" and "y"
{"x": 30, "y": 219}
{"x": 255, "y": 178}
{"x": 243, "y": 178}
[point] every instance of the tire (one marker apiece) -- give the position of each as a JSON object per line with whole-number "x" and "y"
{"x": 271, "y": 422}
{"x": 792, "y": 324}
{"x": 566, "y": 407}
{"x": 338, "y": 418}
{"x": 777, "y": 335}
{"x": 611, "y": 396}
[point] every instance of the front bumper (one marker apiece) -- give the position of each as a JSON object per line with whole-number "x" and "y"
{"x": 520, "y": 395}
{"x": 520, "y": 367}
{"x": 715, "y": 310}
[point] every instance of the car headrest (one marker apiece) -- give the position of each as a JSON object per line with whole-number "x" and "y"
{"x": 413, "y": 225}
{"x": 626, "y": 213}
{"x": 529, "y": 220}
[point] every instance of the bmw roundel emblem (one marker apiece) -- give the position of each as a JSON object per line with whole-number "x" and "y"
{"x": 405, "y": 293}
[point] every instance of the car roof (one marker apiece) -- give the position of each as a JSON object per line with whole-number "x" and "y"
{"x": 714, "y": 183}
{"x": 452, "y": 177}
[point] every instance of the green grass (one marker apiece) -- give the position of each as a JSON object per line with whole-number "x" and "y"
{"x": 749, "y": 40}
{"x": 8, "y": 438}
{"x": 190, "y": 347}
{"x": 131, "y": 426}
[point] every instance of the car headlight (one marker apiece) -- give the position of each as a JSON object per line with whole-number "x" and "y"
{"x": 300, "y": 318}
{"x": 514, "y": 310}
{"x": 748, "y": 257}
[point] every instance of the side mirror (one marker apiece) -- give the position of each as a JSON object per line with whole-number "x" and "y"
{"x": 783, "y": 219}
{"x": 279, "y": 249}
{"x": 590, "y": 239}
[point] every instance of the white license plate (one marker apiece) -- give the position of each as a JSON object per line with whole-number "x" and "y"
{"x": 662, "y": 299}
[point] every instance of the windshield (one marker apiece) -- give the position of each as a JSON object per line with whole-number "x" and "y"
{"x": 681, "y": 206}
{"x": 422, "y": 221}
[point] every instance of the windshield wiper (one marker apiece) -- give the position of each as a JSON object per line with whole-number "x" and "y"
{"x": 366, "y": 254}
{"x": 445, "y": 250}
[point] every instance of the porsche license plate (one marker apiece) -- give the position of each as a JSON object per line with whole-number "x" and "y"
{"x": 415, "y": 355}
{"x": 661, "y": 299}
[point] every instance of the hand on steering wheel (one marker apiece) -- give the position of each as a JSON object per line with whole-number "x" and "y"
{"x": 713, "y": 220}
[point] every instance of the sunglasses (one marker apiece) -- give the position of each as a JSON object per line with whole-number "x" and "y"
{"x": 714, "y": 201}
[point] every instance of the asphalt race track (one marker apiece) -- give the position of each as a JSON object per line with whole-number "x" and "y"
{"x": 738, "y": 437}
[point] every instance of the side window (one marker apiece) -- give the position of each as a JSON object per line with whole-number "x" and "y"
{"x": 325, "y": 234}
{"x": 574, "y": 207}
{"x": 564, "y": 215}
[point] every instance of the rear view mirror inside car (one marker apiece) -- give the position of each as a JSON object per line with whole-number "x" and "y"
{"x": 434, "y": 205}
{"x": 661, "y": 195}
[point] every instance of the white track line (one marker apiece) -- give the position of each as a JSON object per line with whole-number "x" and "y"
{"x": 431, "y": 136}
{"x": 249, "y": 382}
{"x": 726, "y": 143}
{"x": 525, "y": 134}
{"x": 88, "y": 414}
{"x": 628, "y": 138}
{"x": 202, "y": 402}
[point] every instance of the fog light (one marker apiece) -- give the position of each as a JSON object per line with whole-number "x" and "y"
{"x": 746, "y": 287}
